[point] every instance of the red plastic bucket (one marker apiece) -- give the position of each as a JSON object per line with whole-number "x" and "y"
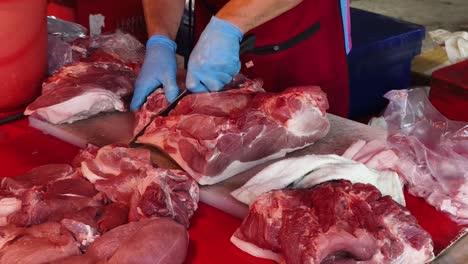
{"x": 23, "y": 51}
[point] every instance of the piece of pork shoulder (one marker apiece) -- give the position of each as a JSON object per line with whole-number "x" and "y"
{"x": 334, "y": 222}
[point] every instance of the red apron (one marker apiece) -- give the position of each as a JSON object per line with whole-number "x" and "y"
{"x": 318, "y": 60}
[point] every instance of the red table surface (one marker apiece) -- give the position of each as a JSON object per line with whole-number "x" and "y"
{"x": 23, "y": 148}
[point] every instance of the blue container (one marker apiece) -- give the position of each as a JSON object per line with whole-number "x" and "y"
{"x": 380, "y": 59}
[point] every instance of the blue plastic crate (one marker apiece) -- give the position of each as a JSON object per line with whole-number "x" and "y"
{"x": 380, "y": 59}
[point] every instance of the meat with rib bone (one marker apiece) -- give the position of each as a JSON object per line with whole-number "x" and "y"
{"x": 334, "y": 222}
{"x": 81, "y": 90}
{"x": 126, "y": 176}
{"x": 214, "y": 136}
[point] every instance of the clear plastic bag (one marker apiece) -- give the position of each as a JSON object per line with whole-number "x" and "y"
{"x": 60, "y": 36}
{"x": 59, "y": 54}
{"x": 123, "y": 45}
{"x": 67, "y": 31}
{"x": 433, "y": 151}
{"x": 68, "y": 43}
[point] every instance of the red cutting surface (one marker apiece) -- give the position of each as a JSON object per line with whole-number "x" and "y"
{"x": 23, "y": 148}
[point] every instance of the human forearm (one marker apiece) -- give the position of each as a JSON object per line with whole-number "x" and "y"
{"x": 163, "y": 16}
{"x": 248, "y": 14}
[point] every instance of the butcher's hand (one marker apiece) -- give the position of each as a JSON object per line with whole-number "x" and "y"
{"x": 159, "y": 69}
{"x": 215, "y": 59}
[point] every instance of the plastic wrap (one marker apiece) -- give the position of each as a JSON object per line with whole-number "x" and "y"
{"x": 60, "y": 48}
{"x": 66, "y": 31}
{"x": 433, "y": 151}
{"x": 125, "y": 46}
{"x": 68, "y": 43}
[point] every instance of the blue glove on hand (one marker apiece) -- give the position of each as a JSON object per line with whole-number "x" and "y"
{"x": 215, "y": 59}
{"x": 159, "y": 68}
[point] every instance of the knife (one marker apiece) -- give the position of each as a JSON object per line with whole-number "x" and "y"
{"x": 247, "y": 44}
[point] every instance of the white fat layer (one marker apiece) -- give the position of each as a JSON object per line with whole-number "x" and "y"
{"x": 88, "y": 174}
{"x": 234, "y": 168}
{"x": 88, "y": 104}
{"x": 254, "y": 250}
{"x": 71, "y": 195}
{"x": 9, "y": 205}
{"x": 279, "y": 175}
{"x": 237, "y": 167}
{"x": 310, "y": 170}
{"x": 300, "y": 124}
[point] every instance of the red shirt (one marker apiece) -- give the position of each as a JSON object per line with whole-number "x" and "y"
{"x": 318, "y": 60}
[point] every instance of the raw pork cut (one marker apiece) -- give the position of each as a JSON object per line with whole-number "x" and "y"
{"x": 334, "y": 222}
{"x": 157, "y": 100}
{"x": 214, "y": 136}
{"x": 114, "y": 215}
{"x": 81, "y": 90}
{"x": 39, "y": 176}
{"x": 310, "y": 170}
{"x": 39, "y": 244}
{"x": 159, "y": 240}
{"x": 38, "y": 206}
{"x": 44, "y": 192}
{"x": 126, "y": 176}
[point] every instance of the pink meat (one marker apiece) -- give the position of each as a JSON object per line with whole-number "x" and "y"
{"x": 39, "y": 176}
{"x": 335, "y": 222}
{"x": 114, "y": 215}
{"x": 39, "y": 206}
{"x": 214, "y": 136}
{"x": 158, "y": 240}
{"x": 126, "y": 176}
{"x": 81, "y": 90}
{"x": 39, "y": 244}
{"x": 155, "y": 103}
{"x": 113, "y": 160}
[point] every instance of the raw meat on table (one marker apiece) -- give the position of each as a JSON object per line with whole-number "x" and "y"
{"x": 45, "y": 193}
{"x": 39, "y": 206}
{"x": 334, "y": 222}
{"x": 159, "y": 240}
{"x": 96, "y": 75}
{"x": 39, "y": 176}
{"x": 157, "y": 102}
{"x": 39, "y": 244}
{"x": 126, "y": 176}
{"x": 214, "y": 136}
{"x": 82, "y": 90}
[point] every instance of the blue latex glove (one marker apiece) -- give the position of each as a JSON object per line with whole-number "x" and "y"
{"x": 159, "y": 68}
{"x": 215, "y": 59}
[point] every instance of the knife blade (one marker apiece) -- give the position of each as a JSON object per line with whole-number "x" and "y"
{"x": 247, "y": 44}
